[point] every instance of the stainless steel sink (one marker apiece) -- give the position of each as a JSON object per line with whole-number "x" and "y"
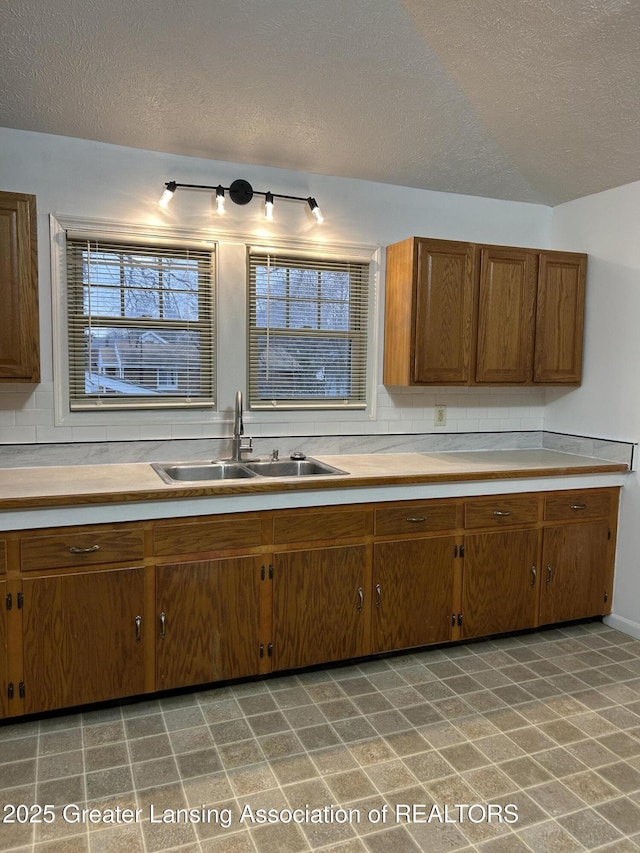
{"x": 191, "y": 472}
{"x": 291, "y": 468}
{"x": 199, "y": 471}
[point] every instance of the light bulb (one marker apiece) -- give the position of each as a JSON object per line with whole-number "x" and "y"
{"x": 167, "y": 195}
{"x": 268, "y": 206}
{"x": 220, "y": 200}
{"x": 315, "y": 209}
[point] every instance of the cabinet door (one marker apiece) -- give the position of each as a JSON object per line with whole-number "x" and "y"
{"x": 319, "y": 602}
{"x": 19, "y": 332}
{"x": 560, "y": 318}
{"x": 575, "y": 564}
{"x": 444, "y": 312}
{"x": 412, "y": 592}
{"x": 500, "y": 582}
{"x": 208, "y": 621}
{"x": 506, "y": 316}
{"x": 83, "y": 638}
{"x": 4, "y": 667}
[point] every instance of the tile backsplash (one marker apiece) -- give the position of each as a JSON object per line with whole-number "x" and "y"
{"x": 27, "y": 417}
{"x": 403, "y": 420}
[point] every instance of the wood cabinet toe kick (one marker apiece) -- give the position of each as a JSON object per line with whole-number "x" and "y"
{"x": 107, "y": 611}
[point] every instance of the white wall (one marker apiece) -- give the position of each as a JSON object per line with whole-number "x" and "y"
{"x": 81, "y": 178}
{"x": 607, "y": 226}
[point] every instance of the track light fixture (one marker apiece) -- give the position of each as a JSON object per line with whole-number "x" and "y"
{"x": 240, "y": 192}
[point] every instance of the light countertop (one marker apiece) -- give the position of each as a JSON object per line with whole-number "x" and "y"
{"x": 77, "y": 485}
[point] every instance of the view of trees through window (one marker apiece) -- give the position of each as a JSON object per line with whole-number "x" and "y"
{"x": 141, "y": 331}
{"x": 308, "y": 330}
{"x": 140, "y": 322}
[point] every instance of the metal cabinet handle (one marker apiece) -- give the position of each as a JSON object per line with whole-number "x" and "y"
{"x": 416, "y": 519}
{"x": 578, "y": 506}
{"x": 138, "y": 627}
{"x": 549, "y": 574}
{"x": 163, "y": 625}
{"x": 499, "y": 513}
{"x": 378, "y": 594}
{"x": 534, "y": 575}
{"x": 360, "y": 598}
{"x": 74, "y": 550}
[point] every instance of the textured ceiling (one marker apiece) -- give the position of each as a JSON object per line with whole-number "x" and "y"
{"x": 535, "y": 100}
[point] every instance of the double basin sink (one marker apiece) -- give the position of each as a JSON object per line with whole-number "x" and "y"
{"x": 229, "y": 470}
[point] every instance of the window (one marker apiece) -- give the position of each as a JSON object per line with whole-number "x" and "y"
{"x": 307, "y": 332}
{"x": 140, "y": 325}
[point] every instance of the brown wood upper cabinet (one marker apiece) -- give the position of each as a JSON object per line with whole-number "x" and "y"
{"x": 430, "y": 295}
{"x": 559, "y": 318}
{"x": 466, "y": 314}
{"x": 19, "y": 330}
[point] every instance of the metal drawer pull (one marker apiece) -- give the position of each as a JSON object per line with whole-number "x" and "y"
{"x": 74, "y": 550}
{"x": 360, "y": 598}
{"x": 549, "y": 574}
{"x": 534, "y": 574}
{"x": 378, "y": 594}
{"x": 138, "y": 626}
{"x": 498, "y": 513}
{"x": 416, "y": 518}
{"x": 578, "y": 506}
{"x": 163, "y": 625}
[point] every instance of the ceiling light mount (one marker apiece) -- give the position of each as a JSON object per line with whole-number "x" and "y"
{"x": 240, "y": 192}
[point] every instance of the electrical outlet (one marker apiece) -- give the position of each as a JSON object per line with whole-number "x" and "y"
{"x": 440, "y": 416}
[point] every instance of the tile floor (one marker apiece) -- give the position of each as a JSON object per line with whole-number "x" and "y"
{"x": 544, "y": 726}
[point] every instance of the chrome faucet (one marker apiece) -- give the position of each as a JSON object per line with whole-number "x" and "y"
{"x": 240, "y": 445}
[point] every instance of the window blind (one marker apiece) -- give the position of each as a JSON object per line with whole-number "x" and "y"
{"x": 140, "y": 324}
{"x": 307, "y": 331}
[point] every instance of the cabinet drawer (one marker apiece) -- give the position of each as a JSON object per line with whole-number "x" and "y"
{"x": 315, "y": 526}
{"x": 584, "y": 504}
{"x": 415, "y": 518}
{"x": 500, "y": 512}
{"x": 84, "y": 548}
{"x": 216, "y": 534}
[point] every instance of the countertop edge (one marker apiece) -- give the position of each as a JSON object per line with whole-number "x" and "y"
{"x": 317, "y": 483}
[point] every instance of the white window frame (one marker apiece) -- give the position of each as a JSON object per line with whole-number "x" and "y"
{"x": 232, "y": 357}
{"x": 319, "y": 257}
{"x": 128, "y": 414}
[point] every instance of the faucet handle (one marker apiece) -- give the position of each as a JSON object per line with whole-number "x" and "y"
{"x": 245, "y": 446}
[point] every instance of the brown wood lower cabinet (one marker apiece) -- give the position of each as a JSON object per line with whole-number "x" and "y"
{"x": 4, "y": 661}
{"x": 500, "y": 582}
{"x": 207, "y": 621}
{"x": 575, "y": 571}
{"x": 190, "y": 601}
{"x": 319, "y": 606}
{"x": 413, "y": 583}
{"x": 83, "y": 638}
